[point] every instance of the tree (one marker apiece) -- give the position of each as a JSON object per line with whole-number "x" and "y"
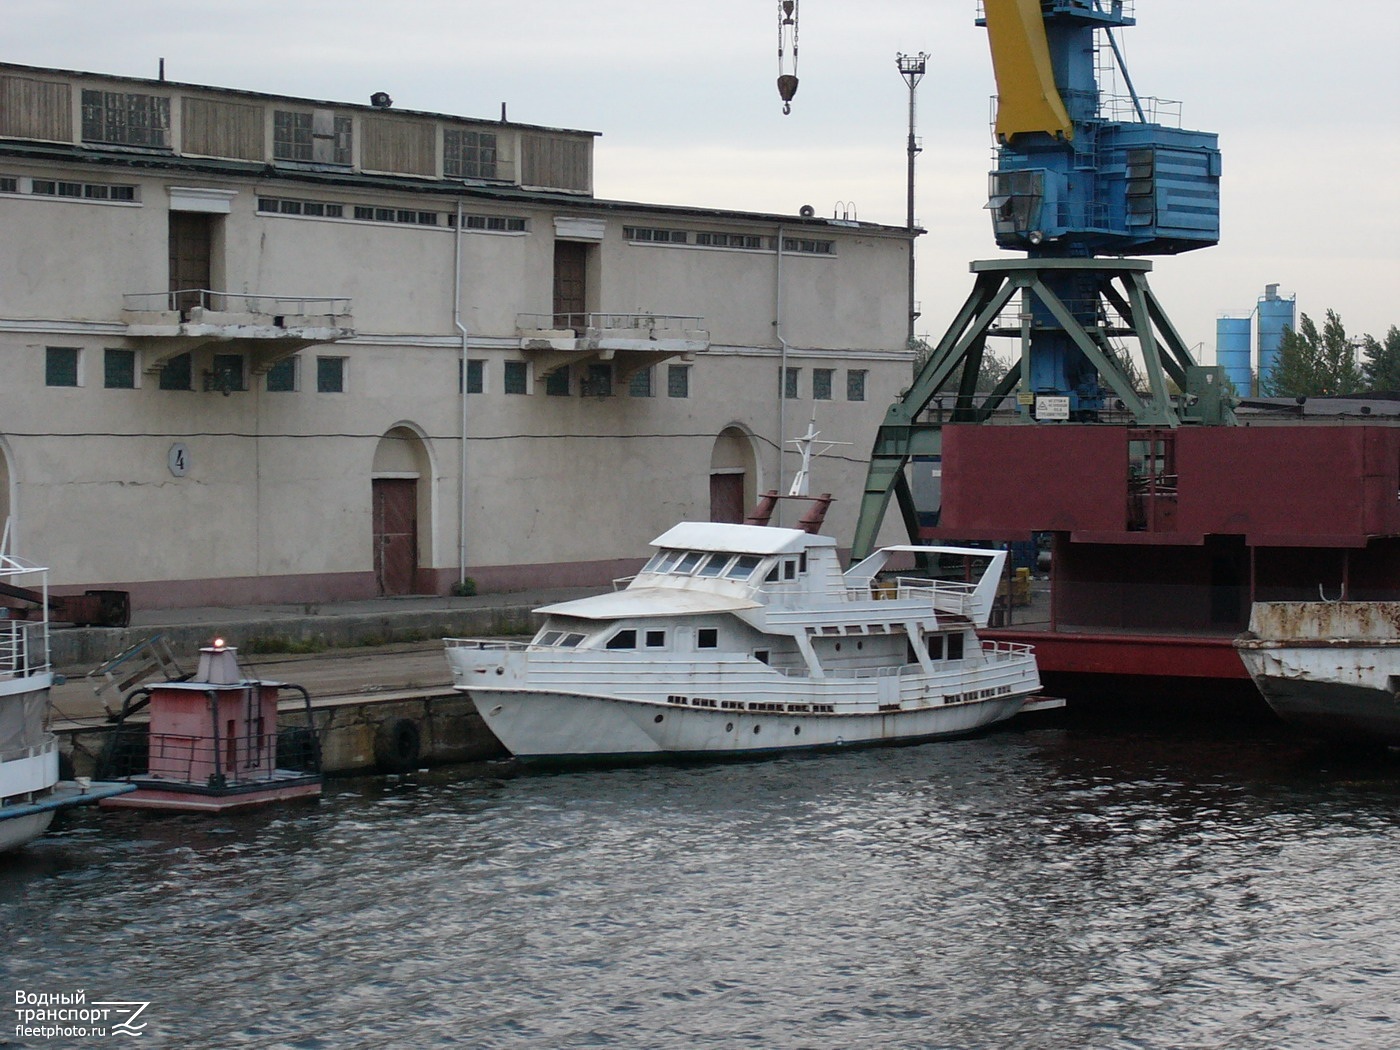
{"x": 1381, "y": 366}
{"x": 1314, "y": 365}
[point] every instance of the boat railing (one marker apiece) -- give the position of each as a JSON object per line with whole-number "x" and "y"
{"x": 44, "y": 747}
{"x": 250, "y": 760}
{"x": 23, "y": 648}
{"x": 491, "y": 644}
{"x": 944, "y": 595}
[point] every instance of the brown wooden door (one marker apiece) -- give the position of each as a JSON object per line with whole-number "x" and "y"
{"x": 191, "y": 248}
{"x": 727, "y": 498}
{"x": 570, "y": 268}
{"x": 395, "y": 534}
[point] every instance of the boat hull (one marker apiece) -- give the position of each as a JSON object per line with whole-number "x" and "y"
{"x": 21, "y": 830}
{"x": 1353, "y": 714}
{"x": 1330, "y": 668}
{"x": 553, "y": 727}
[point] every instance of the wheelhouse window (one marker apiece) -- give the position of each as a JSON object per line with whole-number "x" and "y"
{"x": 560, "y": 639}
{"x": 624, "y": 639}
{"x": 707, "y": 638}
{"x": 743, "y": 566}
{"x": 715, "y": 566}
{"x": 689, "y": 561}
{"x": 656, "y": 639}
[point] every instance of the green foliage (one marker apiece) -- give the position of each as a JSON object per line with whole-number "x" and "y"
{"x": 1313, "y": 364}
{"x": 1381, "y": 364}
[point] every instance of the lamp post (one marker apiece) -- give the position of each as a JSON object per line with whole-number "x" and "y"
{"x": 912, "y": 68}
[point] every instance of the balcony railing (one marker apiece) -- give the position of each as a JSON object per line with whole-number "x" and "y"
{"x": 236, "y": 302}
{"x": 606, "y": 322}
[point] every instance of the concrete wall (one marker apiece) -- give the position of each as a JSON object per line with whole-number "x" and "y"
{"x": 276, "y": 506}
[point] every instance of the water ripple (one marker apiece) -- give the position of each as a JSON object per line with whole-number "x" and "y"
{"x": 1035, "y": 889}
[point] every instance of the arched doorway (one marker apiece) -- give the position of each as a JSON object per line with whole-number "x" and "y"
{"x": 399, "y": 502}
{"x": 733, "y": 475}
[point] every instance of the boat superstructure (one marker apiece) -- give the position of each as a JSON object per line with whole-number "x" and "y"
{"x": 30, "y": 787}
{"x": 740, "y": 639}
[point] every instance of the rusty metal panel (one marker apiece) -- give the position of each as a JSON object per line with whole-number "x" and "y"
{"x": 1017, "y": 480}
{"x": 1289, "y": 486}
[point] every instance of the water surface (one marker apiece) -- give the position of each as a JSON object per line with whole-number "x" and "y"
{"x": 1038, "y": 887}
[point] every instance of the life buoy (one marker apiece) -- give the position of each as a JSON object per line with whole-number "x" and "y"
{"x": 397, "y": 745}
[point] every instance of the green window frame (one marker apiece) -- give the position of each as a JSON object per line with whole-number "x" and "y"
{"x": 177, "y": 373}
{"x": 330, "y": 375}
{"x": 515, "y": 378}
{"x": 282, "y": 377}
{"x": 61, "y": 365}
{"x": 119, "y": 369}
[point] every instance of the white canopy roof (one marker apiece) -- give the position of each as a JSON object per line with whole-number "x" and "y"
{"x": 648, "y": 601}
{"x": 738, "y": 539}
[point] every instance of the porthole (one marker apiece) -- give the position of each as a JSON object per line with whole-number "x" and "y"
{"x": 729, "y": 727}
{"x": 796, "y": 730}
{"x": 659, "y": 718}
{"x": 756, "y": 729}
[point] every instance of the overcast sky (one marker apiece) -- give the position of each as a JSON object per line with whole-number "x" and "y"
{"x": 1304, "y": 96}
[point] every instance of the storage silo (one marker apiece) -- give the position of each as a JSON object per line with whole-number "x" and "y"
{"x": 1275, "y": 314}
{"x": 1232, "y": 351}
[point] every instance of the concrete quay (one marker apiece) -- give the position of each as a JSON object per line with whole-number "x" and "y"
{"x": 381, "y": 691}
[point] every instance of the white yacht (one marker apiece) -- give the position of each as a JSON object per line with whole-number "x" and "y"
{"x": 30, "y": 788}
{"x": 742, "y": 639}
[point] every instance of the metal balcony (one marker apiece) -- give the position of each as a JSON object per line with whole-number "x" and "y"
{"x": 269, "y": 327}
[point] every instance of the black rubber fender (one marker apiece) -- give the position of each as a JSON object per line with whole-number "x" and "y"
{"x": 397, "y": 746}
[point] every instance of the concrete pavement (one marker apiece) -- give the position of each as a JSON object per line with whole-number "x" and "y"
{"x": 365, "y": 649}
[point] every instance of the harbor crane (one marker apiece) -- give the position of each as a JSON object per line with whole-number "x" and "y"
{"x": 1086, "y": 183}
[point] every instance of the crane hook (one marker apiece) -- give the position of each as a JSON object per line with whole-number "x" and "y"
{"x": 787, "y": 39}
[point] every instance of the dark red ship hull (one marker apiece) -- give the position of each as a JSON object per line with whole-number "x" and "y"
{"x": 1160, "y": 540}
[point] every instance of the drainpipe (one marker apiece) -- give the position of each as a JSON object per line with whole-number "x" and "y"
{"x": 462, "y": 457}
{"x": 782, "y": 373}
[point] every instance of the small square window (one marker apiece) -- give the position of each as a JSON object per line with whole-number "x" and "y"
{"x": 516, "y": 377}
{"x": 61, "y": 366}
{"x": 821, "y": 383}
{"x": 227, "y": 374}
{"x": 119, "y": 369}
{"x": 707, "y": 638}
{"x": 557, "y": 383}
{"x": 598, "y": 382}
{"x": 330, "y": 375}
{"x": 282, "y": 377}
{"x": 790, "y": 377}
{"x": 677, "y": 380}
{"x": 656, "y": 639}
{"x": 855, "y": 384}
{"x": 177, "y": 373}
{"x": 642, "y": 382}
{"x": 476, "y": 376}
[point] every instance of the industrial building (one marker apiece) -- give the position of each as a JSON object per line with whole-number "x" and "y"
{"x": 266, "y": 349}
